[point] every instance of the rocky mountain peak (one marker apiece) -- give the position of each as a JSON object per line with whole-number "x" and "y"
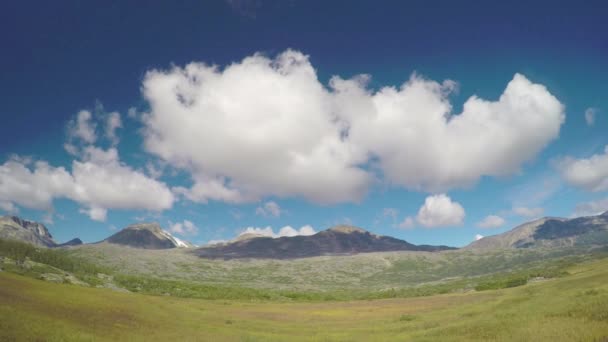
{"x": 346, "y": 229}
{"x": 147, "y": 235}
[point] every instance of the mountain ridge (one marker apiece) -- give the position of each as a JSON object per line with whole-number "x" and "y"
{"x": 550, "y": 232}
{"x": 146, "y": 236}
{"x": 15, "y": 228}
{"x": 337, "y": 240}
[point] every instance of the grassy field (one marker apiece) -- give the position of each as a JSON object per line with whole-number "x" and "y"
{"x": 366, "y": 271}
{"x": 569, "y": 308}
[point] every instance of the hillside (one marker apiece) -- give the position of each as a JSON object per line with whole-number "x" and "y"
{"x": 339, "y": 240}
{"x": 550, "y": 232}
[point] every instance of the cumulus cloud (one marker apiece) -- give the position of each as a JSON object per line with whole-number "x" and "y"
{"x": 8, "y": 207}
{"x": 407, "y": 223}
{"x": 491, "y": 221}
{"x": 183, "y": 228}
{"x": 590, "y": 174}
{"x": 270, "y": 208}
{"x": 390, "y": 213}
{"x": 440, "y": 210}
{"x": 528, "y": 212}
{"x": 591, "y": 208}
{"x": 590, "y": 116}
{"x": 289, "y": 135}
{"x": 82, "y": 127}
{"x": 98, "y": 182}
{"x": 478, "y": 237}
{"x": 285, "y": 231}
{"x": 113, "y": 122}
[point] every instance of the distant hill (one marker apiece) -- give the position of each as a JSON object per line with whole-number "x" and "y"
{"x": 147, "y": 236}
{"x": 16, "y": 228}
{"x": 550, "y": 232}
{"x": 338, "y": 240}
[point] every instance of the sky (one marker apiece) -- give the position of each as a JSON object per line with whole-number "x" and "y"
{"x": 433, "y": 122}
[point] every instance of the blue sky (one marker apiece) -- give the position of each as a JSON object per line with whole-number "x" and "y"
{"x": 291, "y": 148}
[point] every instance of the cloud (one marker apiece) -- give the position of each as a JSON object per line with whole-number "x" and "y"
{"x": 491, "y": 221}
{"x": 291, "y": 136}
{"x": 439, "y": 210}
{"x": 270, "y": 208}
{"x": 591, "y": 208}
{"x": 390, "y": 213}
{"x": 407, "y": 223}
{"x": 113, "y": 122}
{"x": 478, "y": 237}
{"x": 528, "y": 212}
{"x": 48, "y": 218}
{"x": 98, "y": 181}
{"x": 8, "y": 207}
{"x": 590, "y": 174}
{"x": 82, "y": 127}
{"x": 590, "y": 116}
{"x": 285, "y": 231}
{"x": 421, "y": 145}
{"x": 183, "y": 228}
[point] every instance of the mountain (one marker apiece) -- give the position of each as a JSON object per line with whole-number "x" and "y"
{"x": 147, "y": 236}
{"x": 337, "y": 240}
{"x": 73, "y": 242}
{"x": 15, "y": 228}
{"x": 550, "y": 232}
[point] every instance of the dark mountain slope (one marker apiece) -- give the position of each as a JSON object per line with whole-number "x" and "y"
{"x": 147, "y": 236}
{"x": 550, "y": 232}
{"x": 334, "y": 241}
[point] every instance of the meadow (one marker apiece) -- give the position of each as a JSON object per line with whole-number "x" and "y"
{"x": 571, "y": 307}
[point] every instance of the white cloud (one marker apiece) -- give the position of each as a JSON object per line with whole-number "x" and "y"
{"x": 95, "y": 213}
{"x": 289, "y": 135}
{"x": 113, "y": 122}
{"x": 82, "y": 127}
{"x": 98, "y": 182}
{"x": 429, "y": 149}
{"x": 440, "y": 210}
{"x": 390, "y": 213}
{"x": 132, "y": 113}
{"x": 528, "y": 212}
{"x": 48, "y": 218}
{"x": 270, "y": 208}
{"x": 478, "y": 237}
{"x": 590, "y": 174}
{"x": 491, "y": 221}
{"x": 407, "y": 223}
{"x": 590, "y": 116}
{"x": 591, "y": 208}
{"x": 8, "y": 207}
{"x": 285, "y": 231}
{"x": 183, "y": 228}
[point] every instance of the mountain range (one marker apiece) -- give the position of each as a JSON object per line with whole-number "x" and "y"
{"x": 333, "y": 241}
{"x": 338, "y": 240}
{"x": 550, "y": 232}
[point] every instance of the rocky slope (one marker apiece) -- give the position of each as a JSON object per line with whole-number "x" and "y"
{"x": 550, "y": 232}
{"x": 147, "y": 236}
{"x": 15, "y": 228}
{"x": 339, "y": 240}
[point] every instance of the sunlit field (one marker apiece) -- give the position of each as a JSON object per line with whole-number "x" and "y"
{"x": 569, "y": 308}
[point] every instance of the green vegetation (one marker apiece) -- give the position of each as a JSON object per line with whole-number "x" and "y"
{"x": 36, "y": 261}
{"x": 406, "y": 275}
{"x": 569, "y": 308}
